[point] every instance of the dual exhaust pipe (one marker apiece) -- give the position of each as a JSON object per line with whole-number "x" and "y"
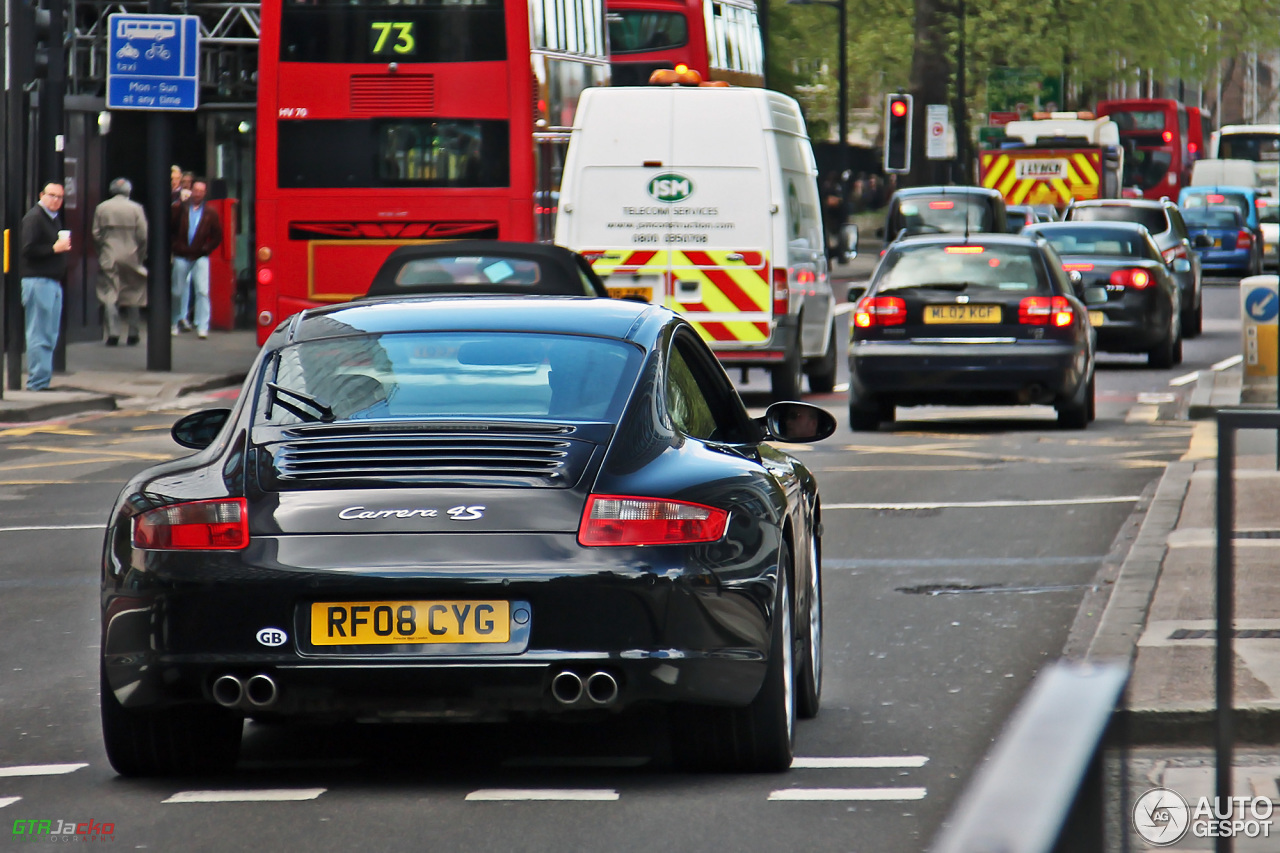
{"x": 257, "y": 692}
{"x": 599, "y": 688}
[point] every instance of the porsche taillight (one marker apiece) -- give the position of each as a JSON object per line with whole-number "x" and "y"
{"x": 1045, "y": 311}
{"x": 218, "y": 525}
{"x": 621, "y": 520}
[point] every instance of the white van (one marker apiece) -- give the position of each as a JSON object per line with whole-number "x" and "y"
{"x": 1232, "y": 173}
{"x": 705, "y": 199}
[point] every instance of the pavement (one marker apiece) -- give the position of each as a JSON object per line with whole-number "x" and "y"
{"x": 103, "y": 378}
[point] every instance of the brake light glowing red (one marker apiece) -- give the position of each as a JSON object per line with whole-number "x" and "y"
{"x": 1045, "y": 311}
{"x": 219, "y": 525}
{"x": 1167, "y": 136}
{"x": 880, "y": 311}
{"x": 1192, "y": 148}
{"x": 1215, "y": 199}
{"x": 781, "y": 291}
{"x": 941, "y": 205}
{"x": 617, "y": 520}
{"x": 1137, "y": 279}
{"x": 1078, "y": 267}
{"x": 964, "y": 250}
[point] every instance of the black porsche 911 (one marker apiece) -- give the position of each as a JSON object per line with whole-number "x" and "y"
{"x": 429, "y": 508}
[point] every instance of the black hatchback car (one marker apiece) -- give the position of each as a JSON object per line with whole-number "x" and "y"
{"x": 1164, "y": 220}
{"x": 437, "y": 508}
{"x": 991, "y": 320}
{"x": 1119, "y": 260}
{"x": 486, "y": 267}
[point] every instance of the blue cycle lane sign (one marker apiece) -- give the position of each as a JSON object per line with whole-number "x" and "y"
{"x": 153, "y": 62}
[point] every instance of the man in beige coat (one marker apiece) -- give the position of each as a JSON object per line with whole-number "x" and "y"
{"x": 120, "y": 233}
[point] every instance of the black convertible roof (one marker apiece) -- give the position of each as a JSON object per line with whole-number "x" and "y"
{"x": 560, "y": 271}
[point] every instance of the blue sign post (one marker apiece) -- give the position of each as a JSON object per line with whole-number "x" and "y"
{"x": 153, "y": 62}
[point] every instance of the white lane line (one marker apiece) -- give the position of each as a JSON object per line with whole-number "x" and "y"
{"x": 833, "y": 794}
{"x": 1184, "y": 379}
{"x": 540, "y": 794}
{"x": 52, "y": 527}
{"x": 1105, "y": 499}
{"x": 1228, "y": 362}
{"x": 277, "y": 795}
{"x": 40, "y": 769}
{"x": 840, "y": 388}
{"x": 8, "y": 801}
{"x": 814, "y": 762}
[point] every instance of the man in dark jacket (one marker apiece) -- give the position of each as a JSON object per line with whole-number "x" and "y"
{"x": 45, "y": 243}
{"x": 197, "y": 231}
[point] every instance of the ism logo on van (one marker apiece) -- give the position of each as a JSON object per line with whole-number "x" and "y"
{"x": 670, "y": 188}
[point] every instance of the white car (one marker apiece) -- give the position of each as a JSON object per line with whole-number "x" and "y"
{"x": 1269, "y": 219}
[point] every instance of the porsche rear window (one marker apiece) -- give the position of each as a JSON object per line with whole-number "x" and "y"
{"x": 489, "y": 375}
{"x": 968, "y": 268}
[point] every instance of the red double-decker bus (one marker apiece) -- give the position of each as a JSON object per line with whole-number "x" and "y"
{"x": 720, "y": 39}
{"x": 388, "y": 122}
{"x": 1154, "y": 133}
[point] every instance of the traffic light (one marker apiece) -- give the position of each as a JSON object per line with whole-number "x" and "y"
{"x": 897, "y": 133}
{"x": 42, "y": 38}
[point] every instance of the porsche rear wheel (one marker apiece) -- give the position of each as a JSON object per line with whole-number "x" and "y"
{"x": 174, "y": 741}
{"x": 759, "y": 738}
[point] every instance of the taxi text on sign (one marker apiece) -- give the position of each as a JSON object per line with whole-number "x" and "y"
{"x": 1259, "y": 311}
{"x": 153, "y": 62}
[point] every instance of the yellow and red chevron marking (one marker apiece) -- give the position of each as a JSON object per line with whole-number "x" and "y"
{"x": 731, "y": 283}
{"x": 999, "y": 171}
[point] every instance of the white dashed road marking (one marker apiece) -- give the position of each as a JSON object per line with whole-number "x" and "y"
{"x": 1105, "y": 499}
{"x": 1228, "y": 362}
{"x": 40, "y": 769}
{"x": 815, "y": 763}
{"x": 541, "y": 794}
{"x": 832, "y": 794}
{"x": 8, "y": 801}
{"x": 278, "y": 795}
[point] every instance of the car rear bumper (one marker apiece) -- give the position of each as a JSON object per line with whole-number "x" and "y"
{"x": 663, "y": 628}
{"x": 1025, "y": 372}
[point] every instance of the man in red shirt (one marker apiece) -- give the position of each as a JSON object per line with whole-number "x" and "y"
{"x": 196, "y": 231}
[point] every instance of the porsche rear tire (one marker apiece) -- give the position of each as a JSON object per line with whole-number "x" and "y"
{"x": 759, "y": 738}
{"x": 175, "y": 741}
{"x": 809, "y": 673}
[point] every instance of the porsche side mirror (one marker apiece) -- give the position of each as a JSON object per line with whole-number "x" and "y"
{"x": 198, "y": 429}
{"x": 796, "y": 422}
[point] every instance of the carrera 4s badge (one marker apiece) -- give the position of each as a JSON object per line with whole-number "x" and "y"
{"x": 457, "y": 513}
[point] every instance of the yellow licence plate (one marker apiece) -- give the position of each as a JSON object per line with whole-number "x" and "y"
{"x": 1217, "y": 242}
{"x": 1097, "y": 318}
{"x": 380, "y": 623}
{"x": 645, "y": 293}
{"x": 962, "y": 314}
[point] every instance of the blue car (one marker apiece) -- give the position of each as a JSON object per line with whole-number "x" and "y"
{"x": 1229, "y": 246}
{"x": 1243, "y": 199}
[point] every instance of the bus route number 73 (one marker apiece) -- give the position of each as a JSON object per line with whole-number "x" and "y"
{"x": 381, "y": 34}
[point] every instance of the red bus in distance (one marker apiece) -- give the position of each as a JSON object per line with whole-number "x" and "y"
{"x": 382, "y": 124}
{"x": 1200, "y": 135}
{"x": 1154, "y": 133}
{"x": 720, "y": 39}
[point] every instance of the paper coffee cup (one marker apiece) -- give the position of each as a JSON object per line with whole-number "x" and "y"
{"x": 64, "y": 235}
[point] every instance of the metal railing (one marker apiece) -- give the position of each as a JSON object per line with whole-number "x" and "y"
{"x": 1041, "y": 787}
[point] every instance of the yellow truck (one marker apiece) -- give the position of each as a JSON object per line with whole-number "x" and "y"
{"x": 1054, "y": 159}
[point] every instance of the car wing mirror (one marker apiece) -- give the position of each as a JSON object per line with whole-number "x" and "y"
{"x": 198, "y": 429}
{"x": 849, "y": 241}
{"x": 796, "y": 422}
{"x": 1181, "y": 265}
